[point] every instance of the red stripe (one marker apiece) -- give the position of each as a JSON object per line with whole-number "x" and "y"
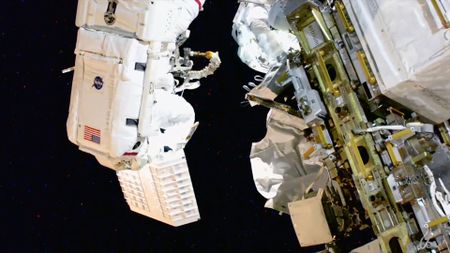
{"x": 93, "y": 133}
{"x": 130, "y": 154}
{"x": 92, "y": 130}
{"x": 199, "y": 4}
{"x": 88, "y": 127}
{"x": 89, "y": 136}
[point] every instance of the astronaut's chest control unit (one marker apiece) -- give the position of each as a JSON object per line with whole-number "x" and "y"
{"x": 124, "y": 106}
{"x": 371, "y": 84}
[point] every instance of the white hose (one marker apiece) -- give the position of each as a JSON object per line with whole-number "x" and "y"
{"x": 214, "y": 64}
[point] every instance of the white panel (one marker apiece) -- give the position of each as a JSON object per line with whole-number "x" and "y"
{"x": 409, "y": 51}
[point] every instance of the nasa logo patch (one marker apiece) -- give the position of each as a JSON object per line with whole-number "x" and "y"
{"x": 98, "y": 83}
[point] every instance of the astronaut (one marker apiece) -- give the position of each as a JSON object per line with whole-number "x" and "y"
{"x": 126, "y": 106}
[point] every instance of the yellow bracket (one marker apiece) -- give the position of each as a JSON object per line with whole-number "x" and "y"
{"x": 420, "y": 157}
{"x": 441, "y": 15}
{"x": 393, "y": 153}
{"x": 320, "y": 137}
{"x": 309, "y": 152}
{"x": 395, "y": 111}
{"x": 445, "y": 135}
{"x": 437, "y": 222}
{"x": 365, "y": 65}
{"x": 404, "y": 134}
{"x": 343, "y": 14}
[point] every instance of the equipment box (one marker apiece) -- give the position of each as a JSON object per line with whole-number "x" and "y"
{"x": 145, "y": 20}
{"x": 408, "y": 47}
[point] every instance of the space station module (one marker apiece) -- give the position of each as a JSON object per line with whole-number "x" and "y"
{"x": 358, "y": 132}
{"x": 126, "y": 108}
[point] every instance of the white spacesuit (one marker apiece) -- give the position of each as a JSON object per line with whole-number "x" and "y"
{"x": 124, "y": 107}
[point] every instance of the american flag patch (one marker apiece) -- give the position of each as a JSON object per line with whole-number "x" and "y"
{"x": 92, "y": 134}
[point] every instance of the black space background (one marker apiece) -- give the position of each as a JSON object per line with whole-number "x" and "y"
{"x": 54, "y": 198}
